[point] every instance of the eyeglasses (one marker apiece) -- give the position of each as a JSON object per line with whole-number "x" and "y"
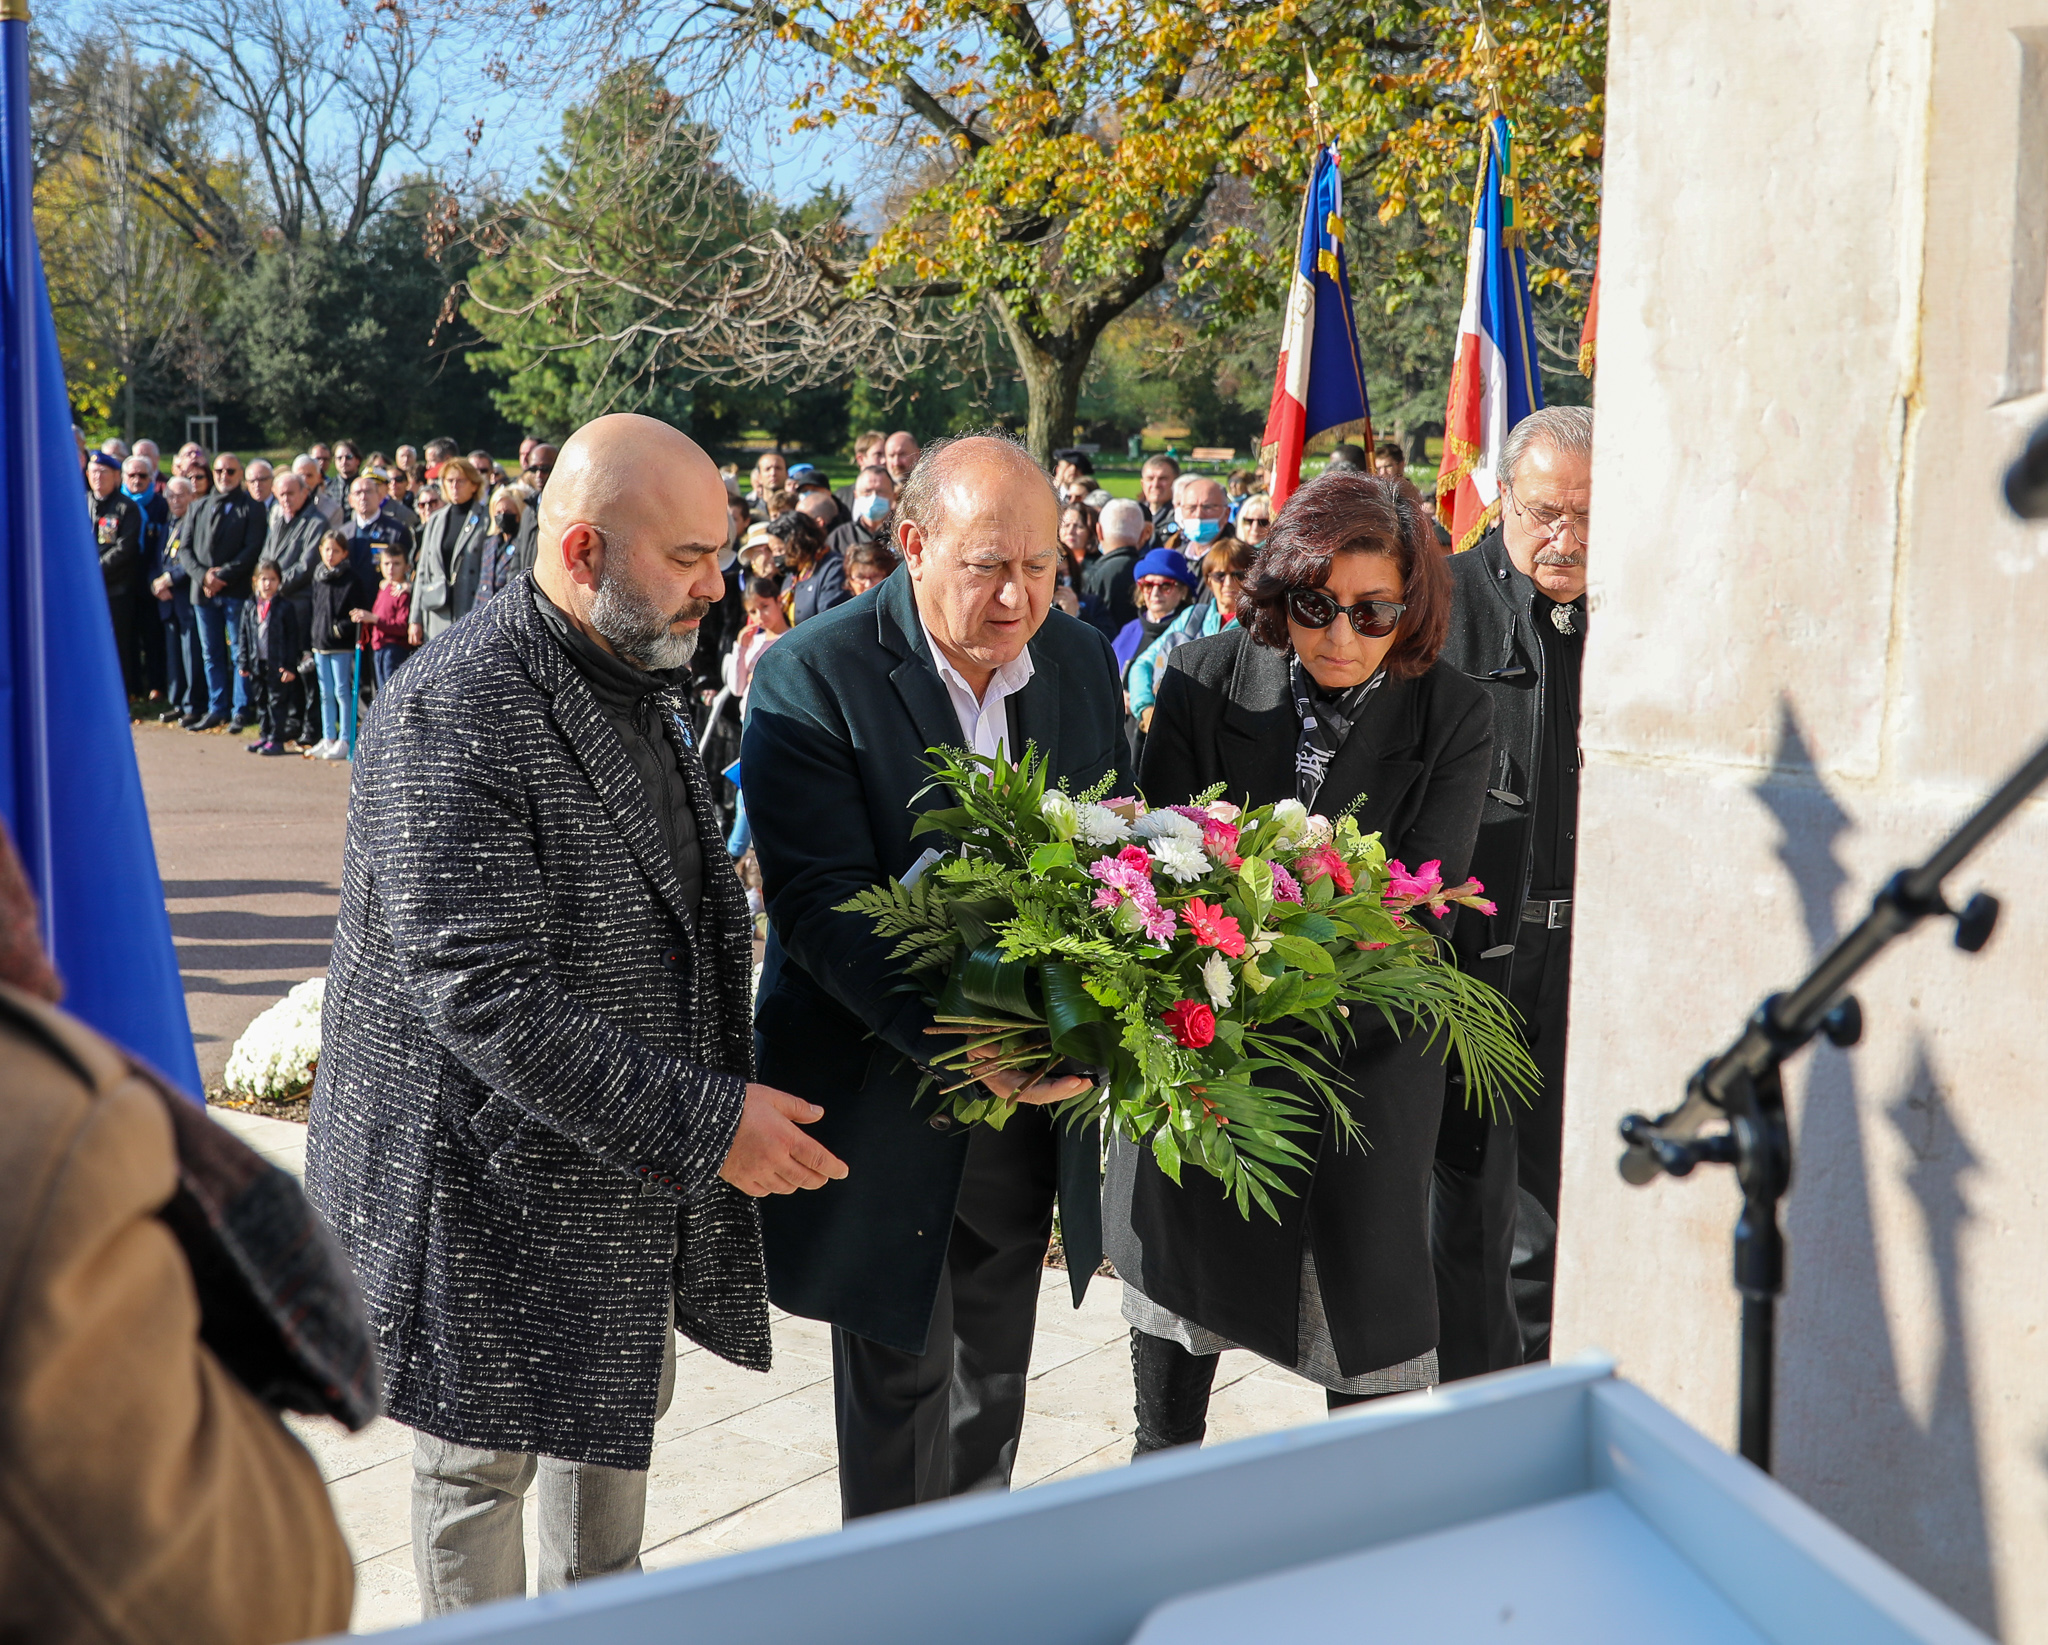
{"x": 1157, "y": 582}
{"x": 227, "y": 468}
{"x": 1259, "y": 520}
{"x": 1548, "y": 522}
{"x": 1219, "y": 578}
{"x": 1375, "y": 619}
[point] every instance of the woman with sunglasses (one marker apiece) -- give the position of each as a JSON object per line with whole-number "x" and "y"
{"x": 1327, "y": 690}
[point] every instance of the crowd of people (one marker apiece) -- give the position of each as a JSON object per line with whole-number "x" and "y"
{"x": 559, "y": 1117}
{"x": 371, "y": 556}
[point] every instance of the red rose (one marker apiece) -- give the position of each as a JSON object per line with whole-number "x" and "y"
{"x": 1193, "y": 1023}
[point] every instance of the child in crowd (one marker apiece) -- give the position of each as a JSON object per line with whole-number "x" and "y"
{"x": 273, "y": 641}
{"x": 389, "y": 620}
{"x": 338, "y": 593}
{"x": 767, "y": 622}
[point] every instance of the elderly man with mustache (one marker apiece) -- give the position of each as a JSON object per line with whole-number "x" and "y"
{"x": 1518, "y": 625}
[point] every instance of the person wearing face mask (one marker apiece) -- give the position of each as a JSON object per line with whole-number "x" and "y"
{"x": 1327, "y": 691}
{"x": 501, "y": 546}
{"x": 1201, "y": 515}
{"x": 874, "y": 498}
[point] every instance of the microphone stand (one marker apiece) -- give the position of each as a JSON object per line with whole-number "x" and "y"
{"x": 1744, "y": 1087}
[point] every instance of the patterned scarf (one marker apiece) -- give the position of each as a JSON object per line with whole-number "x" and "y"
{"x": 1326, "y": 720}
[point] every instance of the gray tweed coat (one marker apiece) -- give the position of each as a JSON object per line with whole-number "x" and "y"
{"x": 532, "y": 1060}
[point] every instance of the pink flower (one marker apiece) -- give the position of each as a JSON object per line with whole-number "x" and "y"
{"x": 1370, "y": 947}
{"x": 1219, "y": 839}
{"x": 1323, "y": 862}
{"x": 1224, "y": 811}
{"x": 1194, "y": 813}
{"x": 1426, "y": 887}
{"x": 1212, "y": 927}
{"x": 1284, "y": 887}
{"x": 1126, "y": 877}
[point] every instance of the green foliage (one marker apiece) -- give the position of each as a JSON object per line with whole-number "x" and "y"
{"x": 631, "y": 214}
{"x": 1030, "y": 957}
{"x": 332, "y": 340}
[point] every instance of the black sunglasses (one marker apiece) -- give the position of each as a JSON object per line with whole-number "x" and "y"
{"x": 1375, "y": 619}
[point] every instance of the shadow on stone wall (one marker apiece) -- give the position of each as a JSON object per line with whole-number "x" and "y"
{"x": 1842, "y": 1415}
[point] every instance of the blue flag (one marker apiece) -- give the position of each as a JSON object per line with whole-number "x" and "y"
{"x": 69, "y": 788}
{"x": 1319, "y": 384}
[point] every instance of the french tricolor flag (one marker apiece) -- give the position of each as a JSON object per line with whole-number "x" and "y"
{"x": 1320, "y": 384}
{"x": 1495, "y": 381}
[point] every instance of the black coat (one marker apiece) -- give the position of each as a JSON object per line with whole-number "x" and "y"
{"x": 1418, "y": 755}
{"x": 283, "y": 635}
{"x": 533, "y": 1059}
{"x": 224, "y": 532}
{"x": 338, "y": 590}
{"x": 1493, "y": 641}
{"x": 117, "y": 527}
{"x": 839, "y": 717}
{"x": 1112, "y": 578}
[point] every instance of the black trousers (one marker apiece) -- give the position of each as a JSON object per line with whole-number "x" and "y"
{"x": 918, "y": 1427}
{"x": 1493, "y": 1201}
{"x": 1172, "y": 1386}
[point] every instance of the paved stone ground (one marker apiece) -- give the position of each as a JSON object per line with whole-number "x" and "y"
{"x": 250, "y": 851}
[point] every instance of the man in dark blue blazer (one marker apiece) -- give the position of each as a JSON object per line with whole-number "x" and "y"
{"x": 926, "y": 1259}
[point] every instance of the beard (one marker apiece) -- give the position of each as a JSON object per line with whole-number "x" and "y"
{"x": 639, "y": 630}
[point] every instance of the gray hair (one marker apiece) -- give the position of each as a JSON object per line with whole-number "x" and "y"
{"x": 1567, "y": 429}
{"x": 918, "y": 495}
{"x": 1122, "y": 521}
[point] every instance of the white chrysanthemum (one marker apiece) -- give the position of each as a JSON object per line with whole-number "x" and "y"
{"x": 1184, "y": 862}
{"x": 276, "y": 1054}
{"x": 1217, "y": 980}
{"x": 1167, "y": 825}
{"x": 1098, "y": 825}
{"x": 1059, "y": 812}
{"x": 1292, "y": 816}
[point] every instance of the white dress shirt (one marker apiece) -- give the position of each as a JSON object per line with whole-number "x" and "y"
{"x": 984, "y": 723}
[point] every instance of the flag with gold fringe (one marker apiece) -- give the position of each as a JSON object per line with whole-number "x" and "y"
{"x": 1495, "y": 380}
{"x": 1319, "y": 386}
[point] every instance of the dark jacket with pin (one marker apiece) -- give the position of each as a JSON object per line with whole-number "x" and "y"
{"x": 840, "y": 714}
{"x": 1418, "y": 756}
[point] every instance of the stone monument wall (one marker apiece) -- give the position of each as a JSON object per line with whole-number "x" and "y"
{"x": 1817, "y": 640}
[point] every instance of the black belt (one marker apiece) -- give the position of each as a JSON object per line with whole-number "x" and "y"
{"x": 1556, "y": 913}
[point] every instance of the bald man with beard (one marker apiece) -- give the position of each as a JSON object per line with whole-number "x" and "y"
{"x": 535, "y": 1124}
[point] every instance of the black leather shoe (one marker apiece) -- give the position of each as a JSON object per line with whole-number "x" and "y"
{"x": 175, "y": 716}
{"x": 208, "y": 722}
{"x": 241, "y": 722}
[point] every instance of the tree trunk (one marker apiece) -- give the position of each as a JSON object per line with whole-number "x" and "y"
{"x": 1052, "y": 368}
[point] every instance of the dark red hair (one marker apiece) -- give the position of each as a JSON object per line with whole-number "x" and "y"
{"x": 1352, "y": 513}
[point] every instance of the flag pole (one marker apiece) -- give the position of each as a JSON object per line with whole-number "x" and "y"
{"x": 22, "y": 457}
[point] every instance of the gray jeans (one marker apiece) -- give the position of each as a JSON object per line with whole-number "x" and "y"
{"x": 468, "y": 1534}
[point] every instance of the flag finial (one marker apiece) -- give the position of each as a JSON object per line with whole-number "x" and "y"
{"x": 1487, "y": 50}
